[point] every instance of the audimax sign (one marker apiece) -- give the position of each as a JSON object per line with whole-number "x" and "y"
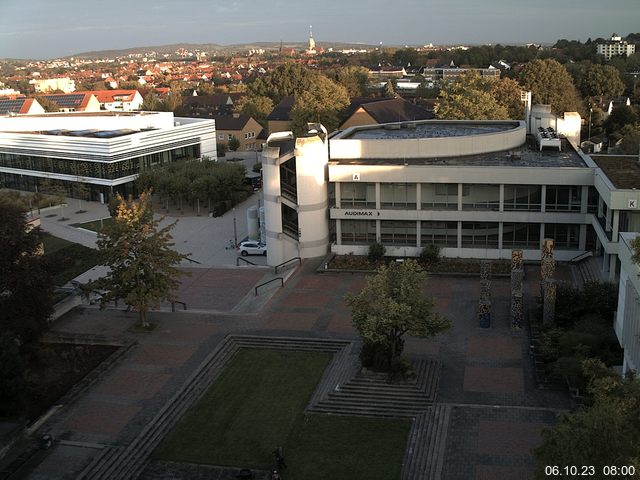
{"x": 360, "y": 213}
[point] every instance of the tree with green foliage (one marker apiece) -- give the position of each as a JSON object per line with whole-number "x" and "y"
{"x": 142, "y": 262}
{"x": 507, "y": 93}
{"x": 389, "y": 90}
{"x": 290, "y": 79}
{"x": 234, "y": 144}
{"x": 391, "y": 305}
{"x": 619, "y": 118}
{"x": 355, "y": 79}
{"x": 595, "y": 80}
{"x": 469, "y": 97}
{"x": 603, "y": 433}
{"x": 151, "y": 103}
{"x": 12, "y": 374}
{"x": 551, "y": 84}
{"x": 257, "y": 107}
{"x": 25, "y": 284}
{"x": 322, "y": 103}
{"x": 631, "y": 140}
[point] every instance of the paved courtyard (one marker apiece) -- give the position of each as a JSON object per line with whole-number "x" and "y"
{"x": 497, "y": 414}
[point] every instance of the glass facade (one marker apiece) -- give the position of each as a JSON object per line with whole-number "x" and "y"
{"x": 565, "y": 237}
{"x": 106, "y": 170}
{"x": 358, "y": 195}
{"x": 479, "y": 235}
{"x": 358, "y": 232}
{"x": 439, "y": 196}
{"x": 521, "y": 235}
{"x": 561, "y": 198}
{"x": 443, "y": 234}
{"x": 398, "y": 232}
{"x": 481, "y": 197}
{"x": 398, "y": 195}
{"x": 523, "y": 197}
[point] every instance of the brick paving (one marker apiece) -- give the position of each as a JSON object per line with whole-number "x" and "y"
{"x": 497, "y": 413}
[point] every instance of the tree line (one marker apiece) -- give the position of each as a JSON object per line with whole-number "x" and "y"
{"x": 216, "y": 186}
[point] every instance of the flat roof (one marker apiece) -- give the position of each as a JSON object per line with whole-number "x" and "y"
{"x": 527, "y": 155}
{"x": 432, "y": 129}
{"x": 622, "y": 170}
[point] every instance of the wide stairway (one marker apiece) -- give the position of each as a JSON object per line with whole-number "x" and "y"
{"x": 371, "y": 394}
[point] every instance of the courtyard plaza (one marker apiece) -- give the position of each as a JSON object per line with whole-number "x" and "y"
{"x": 495, "y": 413}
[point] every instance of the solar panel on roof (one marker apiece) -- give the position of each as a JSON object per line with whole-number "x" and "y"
{"x": 67, "y": 101}
{"x": 11, "y": 105}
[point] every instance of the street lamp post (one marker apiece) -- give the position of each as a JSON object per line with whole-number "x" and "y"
{"x": 590, "y": 112}
{"x": 235, "y": 229}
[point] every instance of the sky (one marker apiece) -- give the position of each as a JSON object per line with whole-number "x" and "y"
{"x": 55, "y": 28}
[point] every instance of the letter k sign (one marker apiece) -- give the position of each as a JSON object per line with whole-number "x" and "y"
{"x": 633, "y": 204}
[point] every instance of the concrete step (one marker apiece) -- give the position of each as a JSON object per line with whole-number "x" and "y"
{"x": 366, "y": 410}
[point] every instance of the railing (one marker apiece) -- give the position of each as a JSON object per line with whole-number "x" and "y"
{"x": 244, "y": 260}
{"x": 173, "y": 305}
{"x": 275, "y": 269}
{"x": 581, "y": 256}
{"x": 267, "y": 283}
{"x": 193, "y": 261}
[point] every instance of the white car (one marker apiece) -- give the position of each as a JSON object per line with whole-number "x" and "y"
{"x": 252, "y": 248}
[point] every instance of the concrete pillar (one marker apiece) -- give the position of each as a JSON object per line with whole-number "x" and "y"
{"x": 600, "y": 206}
{"x": 543, "y": 198}
{"x": 501, "y": 206}
{"x": 500, "y": 231}
{"x": 418, "y": 239}
{"x": 582, "y": 239}
{"x": 419, "y": 196}
{"x": 459, "y": 234}
{"x": 377, "y": 195}
{"x": 615, "y": 225}
{"x": 613, "y": 259}
{"x": 338, "y": 232}
{"x": 337, "y": 193}
{"x": 584, "y": 199}
{"x": 378, "y": 231}
{"x": 459, "y": 197}
{"x": 608, "y": 221}
{"x": 541, "y": 234}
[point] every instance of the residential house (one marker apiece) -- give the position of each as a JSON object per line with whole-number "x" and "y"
{"x": 19, "y": 105}
{"x": 75, "y": 102}
{"x": 242, "y": 127}
{"x": 118, "y": 100}
{"x": 372, "y": 111}
{"x": 278, "y": 120}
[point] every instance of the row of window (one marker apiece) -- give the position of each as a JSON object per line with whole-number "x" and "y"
{"x": 230, "y": 136}
{"x": 107, "y": 170}
{"x": 444, "y": 196}
{"x": 445, "y": 234}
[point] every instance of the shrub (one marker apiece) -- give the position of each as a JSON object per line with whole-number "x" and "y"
{"x": 376, "y": 252}
{"x": 430, "y": 254}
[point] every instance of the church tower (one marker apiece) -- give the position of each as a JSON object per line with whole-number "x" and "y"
{"x": 312, "y": 43}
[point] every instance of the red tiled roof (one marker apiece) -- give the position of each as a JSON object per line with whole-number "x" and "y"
{"x": 108, "y": 96}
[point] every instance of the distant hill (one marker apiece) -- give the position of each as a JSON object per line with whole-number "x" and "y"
{"x": 213, "y": 47}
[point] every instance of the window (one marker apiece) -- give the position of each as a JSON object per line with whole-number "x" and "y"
{"x": 358, "y": 232}
{"x": 481, "y": 197}
{"x": 443, "y": 234}
{"x": 439, "y": 196}
{"x": 357, "y": 195}
{"x": 398, "y": 195}
{"x": 479, "y": 235}
{"x": 521, "y": 235}
{"x": 565, "y": 236}
{"x": 523, "y": 197}
{"x": 229, "y": 137}
{"x": 563, "y": 198}
{"x": 398, "y": 232}
{"x": 221, "y": 136}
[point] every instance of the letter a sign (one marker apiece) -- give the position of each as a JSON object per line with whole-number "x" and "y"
{"x": 356, "y": 177}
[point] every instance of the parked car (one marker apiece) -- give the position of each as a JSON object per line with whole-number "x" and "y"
{"x": 252, "y": 248}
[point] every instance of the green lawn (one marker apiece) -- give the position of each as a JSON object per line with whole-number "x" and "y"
{"x": 258, "y": 404}
{"x": 94, "y": 225}
{"x": 66, "y": 259}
